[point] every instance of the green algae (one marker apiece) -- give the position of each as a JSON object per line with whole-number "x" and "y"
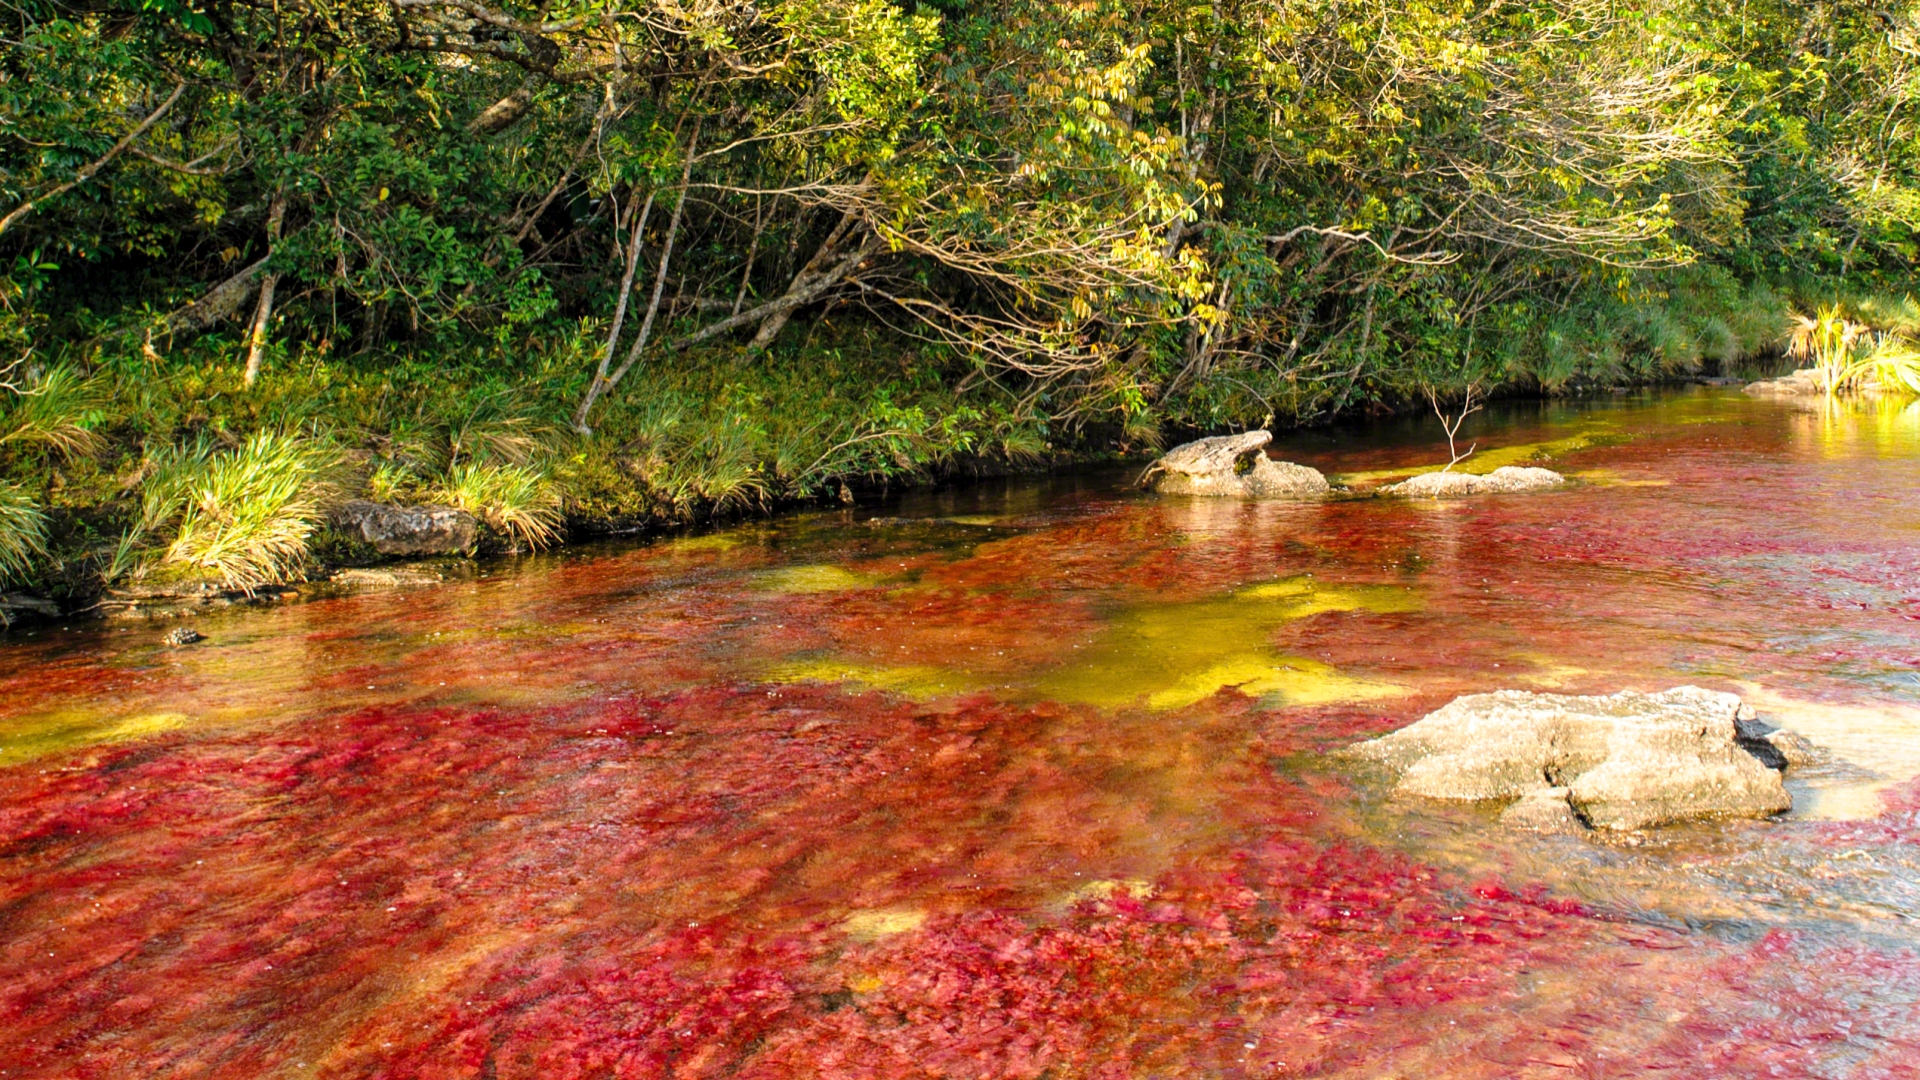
{"x": 922, "y": 682}
{"x": 813, "y": 579}
{"x": 1485, "y": 461}
{"x": 27, "y": 738}
{"x": 1173, "y": 655}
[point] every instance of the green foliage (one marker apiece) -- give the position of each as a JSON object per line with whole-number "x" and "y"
{"x": 23, "y": 534}
{"x": 243, "y": 516}
{"x": 515, "y": 499}
{"x": 846, "y": 241}
{"x": 55, "y": 412}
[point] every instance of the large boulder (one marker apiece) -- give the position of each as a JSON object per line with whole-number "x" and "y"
{"x": 1619, "y": 761}
{"x": 408, "y": 530}
{"x": 1233, "y": 466}
{"x": 1451, "y": 485}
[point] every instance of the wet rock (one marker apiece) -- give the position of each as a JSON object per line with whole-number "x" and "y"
{"x": 1235, "y": 467}
{"x": 16, "y": 605}
{"x": 398, "y": 577}
{"x": 1803, "y": 383}
{"x": 1543, "y": 810}
{"x": 1628, "y": 760}
{"x": 1793, "y": 749}
{"x": 177, "y": 599}
{"x": 408, "y": 530}
{"x": 183, "y": 635}
{"x": 1452, "y": 485}
{"x": 1776, "y": 749}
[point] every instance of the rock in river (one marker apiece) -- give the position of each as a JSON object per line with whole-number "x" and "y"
{"x": 1448, "y": 485}
{"x": 1620, "y": 761}
{"x": 408, "y": 530}
{"x": 1234, "y": 466}
{"x": 1805, "y": 382}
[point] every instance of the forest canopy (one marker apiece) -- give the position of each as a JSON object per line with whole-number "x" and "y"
{"x": 599, "y": 239}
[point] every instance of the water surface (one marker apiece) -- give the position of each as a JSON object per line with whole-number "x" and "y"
{"x": 1020, "y": 779}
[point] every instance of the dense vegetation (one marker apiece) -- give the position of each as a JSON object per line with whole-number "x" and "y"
{"x": 613, "y": 261}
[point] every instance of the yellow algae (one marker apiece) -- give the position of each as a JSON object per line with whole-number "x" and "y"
{"x": 1303, "y": 596}
{"x": 1108, "y": 888}
{"x": 975, "y": 519}
{"x": 1295, "y": 680}
{"x": 723, "y": 541}
{"x": 875, "y": 924}
{"x": 813, "y": 579}
{"x": 1488, "y": 459}
{"x": 29, "y": 737}
{"x": 1548, "y": 673}
{"x": 918, "y": 681}
{"x": 1610, "y": 478}
{"x": 865, "y": 983}
{"x": 1173, "y": 655}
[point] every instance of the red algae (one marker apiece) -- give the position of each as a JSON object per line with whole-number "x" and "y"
{"x": 612, "y": 814}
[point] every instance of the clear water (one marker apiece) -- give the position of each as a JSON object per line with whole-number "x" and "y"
{"x": 1020, "y": 779}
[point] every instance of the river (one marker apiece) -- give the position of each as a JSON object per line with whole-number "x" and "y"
{"x": 1019, "y": 778}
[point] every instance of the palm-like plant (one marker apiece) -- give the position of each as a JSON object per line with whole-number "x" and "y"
{"x": 1848, "y": 355}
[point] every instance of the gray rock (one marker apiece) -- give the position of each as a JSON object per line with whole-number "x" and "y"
{"x": 183, "y": 635}
{"x": 1628, "y": 760}
{"x": 1452, "y": 485}
{"x": 408, "y": 530}
{"x": 1235, "y": 467}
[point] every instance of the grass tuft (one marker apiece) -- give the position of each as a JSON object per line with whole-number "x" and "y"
{"x": 23, "y": 534}
{"x": 245, "y": 514}
{"x": 53, "y": 412}
{"x": 518, "y": 500}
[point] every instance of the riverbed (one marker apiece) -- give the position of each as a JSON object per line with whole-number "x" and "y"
{"x": 1020, "y": 778}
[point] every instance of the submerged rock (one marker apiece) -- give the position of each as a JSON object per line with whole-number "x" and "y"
{"x": 1233, "y": 466}
{"x": 408, "y": 530}
{"x": 1625, "y": 761}
{"x": 1449, "y": 485}
{"x": 1803, "y": 383}
{"x": 398, "y": 577}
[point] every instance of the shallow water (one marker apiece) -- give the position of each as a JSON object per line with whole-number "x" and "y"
{"x": 1015, "y": 780}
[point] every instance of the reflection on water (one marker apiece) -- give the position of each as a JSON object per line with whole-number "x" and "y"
{"x": 1022, "y": 779}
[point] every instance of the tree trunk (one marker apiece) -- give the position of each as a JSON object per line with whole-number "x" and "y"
{"x": 263, "y": 312}
{"x": 619, "y": 317}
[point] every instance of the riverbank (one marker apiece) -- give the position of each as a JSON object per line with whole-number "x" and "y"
{"x": 528, "y": 487}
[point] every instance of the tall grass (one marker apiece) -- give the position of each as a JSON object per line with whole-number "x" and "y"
{"x": 23, "y": 534}
{"x": 518, "y": 500}
{"x": 244, "y": 515}
{"x": 53, "y": 412}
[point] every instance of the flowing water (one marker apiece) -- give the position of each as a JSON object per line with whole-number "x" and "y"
{"x": 1022, "y": 779}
